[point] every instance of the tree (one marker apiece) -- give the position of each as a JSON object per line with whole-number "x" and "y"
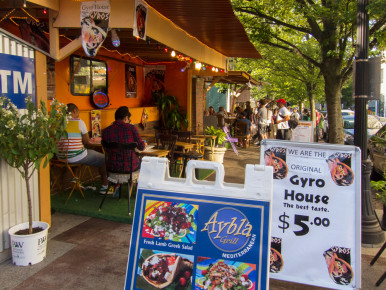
{"x": 331, "y": 24}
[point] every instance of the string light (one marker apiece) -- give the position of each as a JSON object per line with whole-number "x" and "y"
{"x": 45, "y": 10}
{"x": 25, "y": 3}
{"x": 198, "y": 65}
{"x": 173, "y": 54}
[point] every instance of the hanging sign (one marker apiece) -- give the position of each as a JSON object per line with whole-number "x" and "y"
{"x": 140, "y": 19}
{"x": 94, "y": 20}
{"x": 182, "y": 238}
{"x": 316, "y": 220}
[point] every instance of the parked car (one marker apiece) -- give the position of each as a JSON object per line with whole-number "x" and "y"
{"x": 376, "y": 148}
{"x": 373, "y": 126}
{"x": 325, "y": 122}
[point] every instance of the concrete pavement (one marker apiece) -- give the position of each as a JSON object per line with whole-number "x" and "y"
{"x": 90, "y": 253}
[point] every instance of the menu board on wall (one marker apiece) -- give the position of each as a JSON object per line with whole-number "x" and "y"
{"x": 316, "y": 216}
{"x": 181, "y": 240}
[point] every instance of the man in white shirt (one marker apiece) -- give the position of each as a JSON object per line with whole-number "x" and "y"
{"x": 283, "y": 129}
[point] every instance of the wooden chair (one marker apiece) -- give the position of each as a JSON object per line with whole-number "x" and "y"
{"x": 167, "y": 142}
{"x": 240, "y": 133}
{"x": 185, "y": 136}
{"x": 119, "y": 176}
{"x": 76, "y": 170}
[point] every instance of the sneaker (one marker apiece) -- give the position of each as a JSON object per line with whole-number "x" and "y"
{"x": 257, "y": 142}
{"x": 103, "y": 189}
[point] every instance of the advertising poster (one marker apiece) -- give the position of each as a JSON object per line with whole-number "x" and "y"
{"x": 140, "y": 19}
{"x": 94, "y": 21}
{"x": 316, "y": 216}
{"x": 131, "y": 81}
{"x": 17, "y": 78}
{"x": 192, "y": 241}
{"x": 154, "y": 82}
{"x": 304, "y": 132}
{"x": 96, "y": 123}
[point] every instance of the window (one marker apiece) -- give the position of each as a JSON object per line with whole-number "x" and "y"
{"x": 87, "y": 76}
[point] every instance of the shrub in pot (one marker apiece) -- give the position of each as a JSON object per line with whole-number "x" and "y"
{"x": 217, "y": 152}
{"x": 28, "y": 139}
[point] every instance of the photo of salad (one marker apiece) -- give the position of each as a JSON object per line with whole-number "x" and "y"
{"x": 218, "y": 274}
{"x": 164, "y": 270}
{"x": 170, "y": 221}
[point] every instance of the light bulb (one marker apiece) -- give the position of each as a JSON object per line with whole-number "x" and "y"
{"x": 25, "y": 3}
{"x": 173, "y": 53}
{"x": 114, "y": 38}
{"x": 198, "y": 65}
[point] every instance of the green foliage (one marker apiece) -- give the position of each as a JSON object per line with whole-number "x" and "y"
{"x": 217, "y": 132}
{"x": 322, "y": 33}
{"x": 28, "y": 137}
{"x": 172, "y": 115}
{"x": 380, "y": 187}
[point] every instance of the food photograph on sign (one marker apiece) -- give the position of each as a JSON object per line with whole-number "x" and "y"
{"x": 276, "y": 157}
{"x": 276, "y": 261}
{"x": 170, "y": 221}
{"x": 224, "y": 274}
{"x": 164, "y": 270}
{"x": 340, "y": 168}
{"x": 338, "y": 265}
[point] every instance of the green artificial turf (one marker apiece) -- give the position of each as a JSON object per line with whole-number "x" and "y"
{"x": 113, "y": 209}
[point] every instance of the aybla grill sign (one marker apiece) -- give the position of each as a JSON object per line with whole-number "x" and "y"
{"x": 196, "y": 236}
{"x": 228, "y": 230}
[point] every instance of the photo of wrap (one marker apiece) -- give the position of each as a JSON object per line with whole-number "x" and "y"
{"x": 339, "y": 165}
{"x": 338, "y": 265}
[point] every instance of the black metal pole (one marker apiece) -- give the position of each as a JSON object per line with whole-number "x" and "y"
{"x": 371, "y": 232}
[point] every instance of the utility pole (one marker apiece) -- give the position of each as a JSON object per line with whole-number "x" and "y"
{"x": 371, "y": 231}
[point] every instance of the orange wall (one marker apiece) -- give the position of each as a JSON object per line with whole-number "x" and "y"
{"x": 175, "y": 84}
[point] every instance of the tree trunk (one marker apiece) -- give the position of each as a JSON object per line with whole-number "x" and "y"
{"x": 332, "y": 88}
{"x": 29, "y": 200}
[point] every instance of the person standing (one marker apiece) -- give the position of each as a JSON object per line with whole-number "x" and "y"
{"x": 273, "y": 122}
{"x": 283, "y": 115}
{"x": 295, "y": 114}
{"x": 262, "y": 116}
{"x": 122, "y": 131}
{"x": 73, "y": 148}
{"x": 306, "y": 115}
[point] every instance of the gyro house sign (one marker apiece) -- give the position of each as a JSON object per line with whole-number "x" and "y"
{"x": 316, "y": 214}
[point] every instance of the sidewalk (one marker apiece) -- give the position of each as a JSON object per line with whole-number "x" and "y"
{"x": 90, "y": 253}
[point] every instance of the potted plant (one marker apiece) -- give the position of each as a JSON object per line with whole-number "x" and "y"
{"x": 28, "y": 138}
{"x": 172, "y": 116}
{"x": 380, "y": 187}
{"x": 215, "y": 148}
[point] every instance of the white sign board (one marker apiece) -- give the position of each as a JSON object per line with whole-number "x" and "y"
{"x": 304, "y": 132}
{"x": 316, "y": 217}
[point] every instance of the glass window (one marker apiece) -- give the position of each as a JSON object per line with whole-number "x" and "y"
{"x": 87, "y": 76}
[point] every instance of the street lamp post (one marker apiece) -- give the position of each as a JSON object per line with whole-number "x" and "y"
{"x": 371, "y": 232}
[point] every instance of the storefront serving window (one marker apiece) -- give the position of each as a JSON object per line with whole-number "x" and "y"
{"x": 87, "y": 76}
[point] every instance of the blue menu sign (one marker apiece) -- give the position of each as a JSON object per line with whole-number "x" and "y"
{"x": 191, "y": 241}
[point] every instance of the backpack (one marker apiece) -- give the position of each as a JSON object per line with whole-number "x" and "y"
{"x": 293, "y": 122}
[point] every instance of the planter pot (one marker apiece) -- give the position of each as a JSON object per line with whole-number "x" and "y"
{"x": 217, "y": 155}
{"x": 28, "y": 249}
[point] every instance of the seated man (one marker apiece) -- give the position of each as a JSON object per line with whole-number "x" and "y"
{"x": 122, "y": 131}
{"x": 74, "y": 147}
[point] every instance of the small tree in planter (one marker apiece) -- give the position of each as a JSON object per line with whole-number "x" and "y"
{"x": 28, "y": 138}
{"x": 217, "y": 152}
